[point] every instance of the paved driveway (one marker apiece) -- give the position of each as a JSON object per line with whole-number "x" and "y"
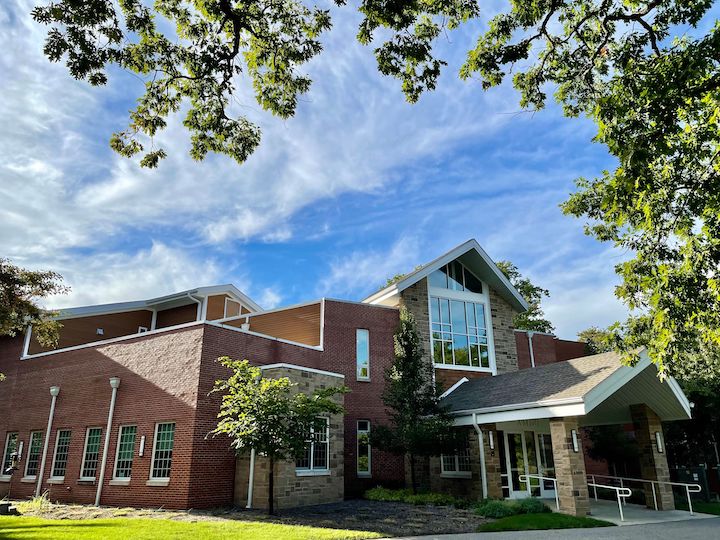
{"x": 705, "y": 529}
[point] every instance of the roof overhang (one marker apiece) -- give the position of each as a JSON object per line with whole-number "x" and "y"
{"x": 606, "y": 403}
{"x": 472, "y": 255}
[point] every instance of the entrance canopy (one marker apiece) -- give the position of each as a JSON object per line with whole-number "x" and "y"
{"x": 597, "y": 389}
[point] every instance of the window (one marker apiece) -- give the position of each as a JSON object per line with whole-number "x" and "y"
{"x": 91, "y": 453}
{"x": 457, "y": 464}
{"x": 232, "y": 308}
{"x": 11, "y": 444}
{"x": 125, "y": 452}
{"x": 163, "y": 450}
{"x": 456, "y": 277}
{"x": 62, "y": 446}
{"x": 317, "y": 454}
{"x": 459, "y": 333}
{"x": 363, "y": 448}
{"x": 33, "y": 458}
{"x": 362, "y": 354}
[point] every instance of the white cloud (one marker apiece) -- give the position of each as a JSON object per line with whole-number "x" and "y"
{"x": 269, "y": 298}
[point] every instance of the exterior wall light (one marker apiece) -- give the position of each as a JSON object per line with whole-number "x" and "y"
{"x": 575, "y": 444}
{"x": 658, "y": 442}
{"x": 491, "y": 440}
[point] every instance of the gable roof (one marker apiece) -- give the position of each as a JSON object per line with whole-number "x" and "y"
{"x": 472, "y": 255}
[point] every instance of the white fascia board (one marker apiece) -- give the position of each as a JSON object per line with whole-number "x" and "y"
{"x": 454, "y": 387}
{"x": 232, "y": 290}
{"x": 614, "y": 382}
{"x": 520, "y": 406}
{"x": 680, "y": 395}
{"x": 102, "y": 309}
{"x": 302, "y": 368}
{"x": 537, "y": 413}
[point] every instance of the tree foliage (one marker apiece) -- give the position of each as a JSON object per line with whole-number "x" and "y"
{"x": 419, "y": 426}
{"x": 269, "y": 415}
{"x": 20, "y": 290}
{"x": 534, "y": 318}
{"x": 597, "y": 340}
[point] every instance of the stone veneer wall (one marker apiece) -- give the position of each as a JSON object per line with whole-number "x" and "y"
{"x": 292, "y": 490}
{"x": 467, "y": 488}
{"x": 415, "y": 299}
{"x": 502, "y": 313}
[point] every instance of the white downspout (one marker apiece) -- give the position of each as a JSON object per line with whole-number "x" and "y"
{"x": 114, "y": 383}
{"x": 54, "y": 391}
{"x": 153, "y": 322}
{"x": 251, "y": 479}
{"x": 26, "y": 343}
{"x": 481, "y": 444}
{"x": 530, "y": 346}
{"x": 199, "y": 308}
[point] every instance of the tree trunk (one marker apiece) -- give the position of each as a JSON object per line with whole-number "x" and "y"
{"x": 412, "y": 474}
{"x": 271, "y": 486}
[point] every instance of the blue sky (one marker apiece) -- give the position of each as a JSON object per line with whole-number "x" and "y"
{"x": 358, "y": 186}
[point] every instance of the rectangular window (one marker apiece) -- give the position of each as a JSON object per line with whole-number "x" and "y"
{"x": 317, "y": 453}
{"x": 459, "y": 333}
{"x": 363, "y": 448}
{"x": 362, "y": 342}
{"x": 33, "y": 458}
{"x": 125, "y": 451}
{"x": 232, "y": 308}
{"x": 91, "y": 453}
{"x": 457, "y": 464}
{"x": 62, "y": 447}
{"x": 11, "y": 444}
{"x": 163, "y": 450}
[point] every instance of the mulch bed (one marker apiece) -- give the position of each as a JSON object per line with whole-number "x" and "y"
{"x": 386, "y": 518}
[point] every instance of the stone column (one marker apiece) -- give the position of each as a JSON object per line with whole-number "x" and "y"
{"x": 653, "y": 463}
{"x": 492, "y": 463}
{"x": 569, "y": 467}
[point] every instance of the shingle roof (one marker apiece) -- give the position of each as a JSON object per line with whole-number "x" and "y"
{"x": 562, "y": 380}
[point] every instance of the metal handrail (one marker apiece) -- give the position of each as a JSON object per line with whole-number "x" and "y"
{"x": 689, "y": 488}
{"x": 524, "y": 478}
{"x": 621, "y": 493}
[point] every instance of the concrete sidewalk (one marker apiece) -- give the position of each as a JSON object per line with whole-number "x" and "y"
{"x": 701, "y": 529}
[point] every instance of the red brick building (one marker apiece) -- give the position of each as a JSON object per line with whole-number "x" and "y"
{"x": 119, "y": 412}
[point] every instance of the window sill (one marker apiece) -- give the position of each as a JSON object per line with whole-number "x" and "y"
{"x": 463, "y": 368}
{"x": 86, "y": 481}
{"x": 56, "y": 480}
{"x": 4, "y": 478}
{"x": 28, "y": 479}
{"x": 364, "y": 475}
{"x": 158, "y": 482}
{"x": 463, "y": 474}
{"x": 363, "y": 379}
{"x": 119, "y": 482}
{"x": 313, "y": 473}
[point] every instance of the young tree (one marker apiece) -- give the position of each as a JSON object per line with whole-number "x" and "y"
{"x": 19, "y": 291}
{"x": 534, "y": 318}
{"x": 268, "y": 415}
{"x": 419, "y": 425}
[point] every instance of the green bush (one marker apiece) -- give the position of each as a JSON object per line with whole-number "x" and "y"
{"x": 495, "y": 509}
{"x": 407, "y": 496}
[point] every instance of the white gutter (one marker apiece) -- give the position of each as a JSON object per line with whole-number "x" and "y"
{"x": 481, "y": 444}
{"x": 530, "y": 346}
{"x": 114, "y": 383}
{"x": 54, "y": 391}
{"x": 251, "y": 479}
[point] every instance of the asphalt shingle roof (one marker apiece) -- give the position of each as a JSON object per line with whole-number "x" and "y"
{"x": 562, "y": 380}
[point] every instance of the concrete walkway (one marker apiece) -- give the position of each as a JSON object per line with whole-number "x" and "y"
{"x": 636, "y": 514}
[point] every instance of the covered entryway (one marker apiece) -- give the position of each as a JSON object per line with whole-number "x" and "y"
{"x": 530, "y": 423}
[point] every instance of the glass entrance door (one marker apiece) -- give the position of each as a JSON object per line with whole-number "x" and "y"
{"x": 546, "y": 463}
{"x": 521, "y": 459}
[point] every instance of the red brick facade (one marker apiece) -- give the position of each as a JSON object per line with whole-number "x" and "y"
{"x": 166, "y": 377}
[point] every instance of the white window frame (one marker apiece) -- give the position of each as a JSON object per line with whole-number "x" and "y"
{"x": 29, "y": 453}
{"x": 311, "y": 470}
{"x": 83, "y": 476}
{"x": 142, "y": 329}
{"x": 358, "y": 367}
{"x": 225, "y": 308}
{"x": 5, "y": 451}
{"x": 457, "y": 473}
{"x": 160, "y": 480}
{"x": 358, "y": 431}
{"x": 54, "y": 459}
{"x": 123, "y": 479}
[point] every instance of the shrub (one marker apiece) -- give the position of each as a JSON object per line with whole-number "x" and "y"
{"x": 496, "y": 509}
{"x": 407, "y": 496}
{"x": 531, "y": 506}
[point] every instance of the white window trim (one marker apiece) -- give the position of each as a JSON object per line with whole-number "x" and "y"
{"x": 225, "y": 308}
{"x": 357, "y": 366}
{"x": 311, "y": 470}
{"x": 57, "y": 479}
{"x": 143, "y": 329}
{"x": 4, "y": 476}
{"x": 368, "y": 473}
{"x": 457, "y": 473}
{"x": 84, "y": 455}
{"x": 483, "y": 299}
{"x": 162, "y": 480}
{"x": 124, "y": 479}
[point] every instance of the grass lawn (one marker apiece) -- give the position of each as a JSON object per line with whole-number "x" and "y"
{"x": 531, "y": 522}
{"x": 701, "y": 506}
{"x": 150, "y": 529}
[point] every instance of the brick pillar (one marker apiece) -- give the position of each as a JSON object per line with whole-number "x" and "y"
{"x": 492, "y": 463}
{"x": 569, "y": 467}
{"x": 653, "y": 464}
